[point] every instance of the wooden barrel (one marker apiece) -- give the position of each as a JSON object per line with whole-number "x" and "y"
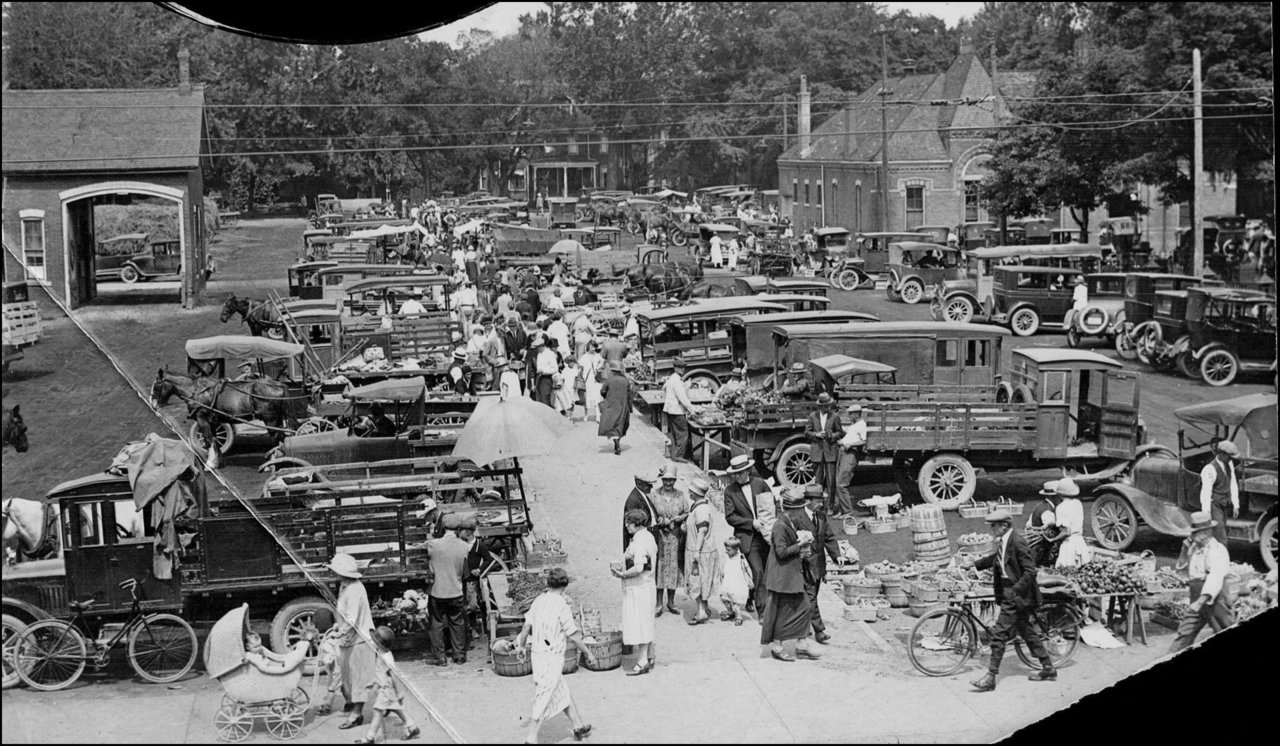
{"x": 927, "y": 537}
{"x": 926, "y": 518}
{"x": 931, "y": 547}
{"x": 897, "y": 598}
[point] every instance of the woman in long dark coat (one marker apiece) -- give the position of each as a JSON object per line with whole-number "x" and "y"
{"x": 615, "y": 407}
{"x": 786, "y": 615}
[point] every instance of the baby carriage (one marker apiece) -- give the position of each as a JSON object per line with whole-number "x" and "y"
{"x": 254, "y": 686}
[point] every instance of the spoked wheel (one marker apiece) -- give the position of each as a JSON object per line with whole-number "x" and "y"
{"x": 50, "y": 655}
{"x": 702, "y": 382}
{"x": 912, "y": 292}
{"x": 1268, "y": 545}
{"x": 13, "y": 629}
{"x": 304, "y": 618}
{"x": 162, "y": 648}
{"x": 1219, "y": 367}
{"x": 1125, "y": 346}
{"x": 947, "y": 480}
{"x": 848, "y": 279}
{"x": 941, "y": 643}
{"x": 1148, "y": 342}
{"x": 1024, "y": 322}
{"x": 313, "y": 425}
{"x": 958, "y": 310}
{"x": 301, "y": 698}
{"x": 795, "y": 466}
{"x": 129, "y": 275}
{"x": 1186, "y": 364}
{"x": 224, "y": 435}
{"x": 1061, "y": 628}
{"x": 285, "y": 719}
{"x": 678, "y": 238}
{"x": 1115, "y": 524}
{"x": 233, "y": 722}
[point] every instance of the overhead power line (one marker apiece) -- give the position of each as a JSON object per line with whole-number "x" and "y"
{"x": 636, "y": 141}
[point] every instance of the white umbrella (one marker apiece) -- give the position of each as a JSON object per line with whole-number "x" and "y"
{"x": 504, "y": 427}
{"x": 565, "y": 246}
{"x": 468, "y": 227}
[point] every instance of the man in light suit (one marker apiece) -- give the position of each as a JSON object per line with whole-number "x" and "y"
{"x": 1018, "y": 595}
{"x": 742, "y": 513}
{"x": 824, "y": 431}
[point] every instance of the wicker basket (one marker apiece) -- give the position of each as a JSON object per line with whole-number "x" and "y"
{"x": 974, "y": 510}
{"x": 982, "y": 549}
{"x": 925, "y": 592}
{"x": 920, "y": 608}
{"x": 856, "y": 588}
{"x": 513, "y": 663}
{"x": 608, "y": 651}
{"x": 883, "y": 576}
{"x": 851, "y": 525}
{"x": 859, "y": 613}
{"x": 882, "y": 525}
{"x": 904, "y": 520}
{"x": 1010, "y": 506}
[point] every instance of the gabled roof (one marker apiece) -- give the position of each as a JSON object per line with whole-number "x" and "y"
{"x": 919, "y": 130}
{"x": 102, "y": 130}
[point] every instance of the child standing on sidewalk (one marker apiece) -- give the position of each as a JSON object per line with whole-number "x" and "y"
{"x": 388, "y": 698}
{"x": 735, "y": 581}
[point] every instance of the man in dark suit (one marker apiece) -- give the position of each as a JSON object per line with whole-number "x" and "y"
{"x": 639, "y": 499}
{"x": 824, "y": 431}
{"x": 742, "y": 514}
{"x": 1014, "y": 573}
{"x": 811, "y": 518}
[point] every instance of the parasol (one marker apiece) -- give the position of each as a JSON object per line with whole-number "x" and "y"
{"x": 565, "y": 246}
{"x": 509, "y": 427}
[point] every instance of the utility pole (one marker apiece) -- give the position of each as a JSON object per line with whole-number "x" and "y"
{"x": 1197, "y": 173}
{"x": 785, "y": 102}
{"x": 884, "y": 129}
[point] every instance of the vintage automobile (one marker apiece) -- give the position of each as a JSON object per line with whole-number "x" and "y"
{"x": 374, "y": 296}
{"x": 304, "y": 279}
{"x": 309, "y": 235}
{"x": 1159, "y": 341}
{"x": 960, "y": 299}
{"x": 595, "y": 238}
{"x": 751, "y": 337}
{"x": 797, "y": 301}
{"x": 1035, "y": 230}
{"x": 562, "y": 212}
{"x": 1067, "y": 235}
{"x": 1228, "y": 332}
{"x": 916, "y": 269}
{"x": 113, "y": 253}
{"x": 714, "y": 287}
{"x": 335, "y": 280}
{"x": 974, "y": 235}
{"x": 1139, "y": 305}
{"x": 1122, "y": 237}
{"x": 796, "y": 286}
{"x": 1161, "y": 489}
{"x": 873, "y": 249}
{"x": 699, "y": 334}
{"x": 427, "y": 424}
{"x": 936, "y": 233}
{"x": 660, "y": 280}
{"x": 1028, "y": 298}
{"x": 1100, "y": 316}
{"x": 161, "y": 259}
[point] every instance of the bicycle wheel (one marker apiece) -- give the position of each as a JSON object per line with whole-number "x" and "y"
{"x": 162, "y": 648}
{"x": 1060, "y": 624}
{"x": 50, "y": 655}
{"x": 942, "y": 642}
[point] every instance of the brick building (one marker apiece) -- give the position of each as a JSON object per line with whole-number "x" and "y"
{"x": 65, "y": 151}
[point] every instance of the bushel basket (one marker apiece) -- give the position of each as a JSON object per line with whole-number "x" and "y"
{"x": 608, "y": 651}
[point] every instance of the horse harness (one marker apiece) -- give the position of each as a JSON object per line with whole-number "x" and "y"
{"x": 48, "y": 544}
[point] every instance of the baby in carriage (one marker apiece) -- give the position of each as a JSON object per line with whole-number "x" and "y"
{"x": 260, "y": 656}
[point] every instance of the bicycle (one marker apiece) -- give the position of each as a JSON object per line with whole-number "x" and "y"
{"x": 943, "y": 640}
{"x": 51, "y": 654}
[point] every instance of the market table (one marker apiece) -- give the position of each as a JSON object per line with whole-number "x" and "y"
{"x": 651, "y": 402}
{"x": 707, "y": 439}
{"x": 1120, "y": 607}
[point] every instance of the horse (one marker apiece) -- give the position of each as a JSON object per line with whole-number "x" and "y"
{"x": 212, "y": 402}
{"x": 15, "y": 430}
{"x": 32, "y": 526}
{"x": 261, "y": 316}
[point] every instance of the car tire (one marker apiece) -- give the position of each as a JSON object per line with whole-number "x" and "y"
{"x": 1186, "y": 365}
{"x": 13, "y": 626}
{"x": 1267, "y": 544}
{"x": 912, "y": 292}
{"x": 1219, "y": 367}
{"x": 1073, "y": 338}
{"x": 795, "y": 466}
{"x": 947, "y": 480}
{"x": 129, "y": 274}
{"x": 1125, "y": 346}
{"x": 1114, "y": 522}
{"x": 1024, "y": 322}
{"x": 301, "y": 618}
{"x": 957, "y": 310}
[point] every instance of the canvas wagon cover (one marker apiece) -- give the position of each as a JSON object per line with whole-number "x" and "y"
{"x": 241, "y": 347}
{"x": 1255, "y": 412}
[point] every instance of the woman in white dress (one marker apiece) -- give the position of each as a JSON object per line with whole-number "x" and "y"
{"x": 592, "y": 364}
{"x": 638, "y": 589}
{"x": 717, "y": 258}
{"x": 567, "y": 394}
{"x": 548, "y": 628}
{"x": 353, "y": 626}
{"x": 732, "y": 254}
{"x": 1069, "y": 515}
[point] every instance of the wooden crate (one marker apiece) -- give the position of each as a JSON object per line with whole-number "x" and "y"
{"x": 21, "y": 325}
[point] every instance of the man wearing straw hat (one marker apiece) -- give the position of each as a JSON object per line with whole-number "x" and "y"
{"x": 743, "y": 500}
{"x": 1018, "y": 595}
{"x": 1206, "y": 561}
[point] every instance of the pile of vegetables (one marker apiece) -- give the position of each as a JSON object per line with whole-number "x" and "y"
{"x": 1169, "y": 580}
{"x": 736, "y": 402}
{"x": 710, "y": 416}
{"x": 975, "y": 538}
{"x": 1247, "y": 606}
{"x": 1103, "y": 576}
{"x": 1172, "y": 609}
{"x": 914, "y": 568}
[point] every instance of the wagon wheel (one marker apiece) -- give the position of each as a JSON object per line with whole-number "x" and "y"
{"x": 313, "y": 425}
{"x": 1114, "y": 522}
{"x": 947, "y": 480}
{"x": 702, "y": 381}
{"x": 285, "y": 719}
{"x": 232, "y": 722}
{"x": 224, "y": 435}
{"x": 795, "y": 466}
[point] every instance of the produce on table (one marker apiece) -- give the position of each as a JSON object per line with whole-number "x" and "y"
{"x": 975, "y": 538}
{"x": 883, "y": 568}
{"x": 1169, "y": 580}
{"x": 735, "y": 402}
{"x": 1247, "y": 606}
{"x": 1241, "y": 570}
{"x": 919, "y": 568}
{"x": 1104, "y": 576}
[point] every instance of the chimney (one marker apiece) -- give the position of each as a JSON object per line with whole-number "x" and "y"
{"x": 184, "y": 71}
{"x": 908, "y": 67}
{"x": 804, "y": 120}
